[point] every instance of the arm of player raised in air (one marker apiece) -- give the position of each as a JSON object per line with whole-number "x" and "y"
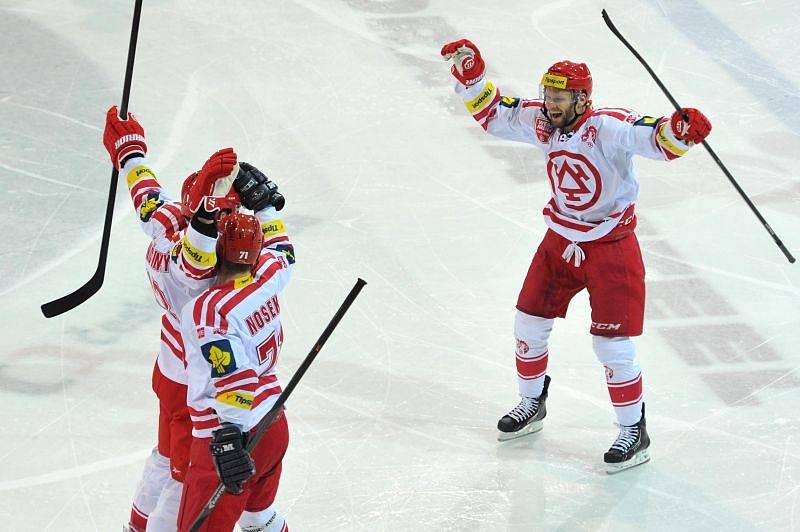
{"x": 259, "y": 194}
{"x": 661, "y": 138}
{"x": 502, "y": 116}
{"x": 159, "y": 215}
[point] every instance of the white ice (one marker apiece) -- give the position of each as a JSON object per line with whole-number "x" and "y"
{"x": 349, "y": 108}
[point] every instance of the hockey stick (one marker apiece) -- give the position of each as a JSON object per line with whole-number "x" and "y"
{"x": 273, "y": 413}
{"x": 725, "y": 171}
{"x": 70, "y": 301}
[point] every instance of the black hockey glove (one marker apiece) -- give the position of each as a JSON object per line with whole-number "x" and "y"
{"x": 233, "y": 462}
{"x": 256, "y": 190}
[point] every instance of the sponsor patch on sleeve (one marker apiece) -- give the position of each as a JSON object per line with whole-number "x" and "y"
{"x": 236, "y": 399}
{"x": 149, "y": 205}
{"x": 219, "y": 354}
{"x": 273, "y": 227}
{"x": 139, "y": 173}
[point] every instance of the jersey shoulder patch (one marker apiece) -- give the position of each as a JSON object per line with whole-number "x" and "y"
{"x": 149, "y": 205}
{"x": 219, "y": 354}
{"x": 508, "y": 101}
{"x": 648, "y": 121}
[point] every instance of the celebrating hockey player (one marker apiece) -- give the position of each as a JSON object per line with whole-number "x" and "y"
{"x": 177, "y": 270}
{"x": 233, "y": 337}
{"x": 590, "y": 241}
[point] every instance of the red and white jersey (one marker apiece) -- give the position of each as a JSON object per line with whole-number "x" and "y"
{"x": 233, "y": 336}
{"x": 177, "y": 267}
{"x": 591, "y": 174}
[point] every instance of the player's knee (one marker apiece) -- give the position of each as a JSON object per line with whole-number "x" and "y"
{"x": 533, "y": 330}
{"x": 613, "y": 349}
{"x": 268, "y": 520}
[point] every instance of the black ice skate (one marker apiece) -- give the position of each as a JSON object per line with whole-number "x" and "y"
{"x": 526, "y": 417}
{"x": 630, "y": 449}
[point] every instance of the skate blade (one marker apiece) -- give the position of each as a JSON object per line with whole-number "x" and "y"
{"x": 638, "y": 459}
{"x": 531, "y": 428}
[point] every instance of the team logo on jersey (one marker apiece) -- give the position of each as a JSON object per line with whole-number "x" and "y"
{"x": 219, "y": 354}
{"x": 590, "y": 136}
{"x": 508, "y": 101}
{"x": 648, "y": 121}
{"x": 574, "y": 180}
{"x": 287, "y": 250}
{"x": 544, "y": 129}
{"x": 609, "y": 373}
{"x": 149, "y": 205}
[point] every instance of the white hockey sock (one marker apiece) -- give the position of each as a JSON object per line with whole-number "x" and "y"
{"x": 154, "y": 477}
{"x": 164, "y": 518}
{"x": 531, "y": 333}
{"x": 623, "y": 376}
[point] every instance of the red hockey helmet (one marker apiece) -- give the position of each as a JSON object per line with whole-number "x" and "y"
{"x": 569, "y": 76}
{"x": 239, "y": 238}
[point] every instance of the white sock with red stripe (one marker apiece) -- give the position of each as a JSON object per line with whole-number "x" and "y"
{"x": 531, "y": 333}
{"x": 623, "y": 376}
{"x": 268, "y": 520}
{"x": 154, "y": 477}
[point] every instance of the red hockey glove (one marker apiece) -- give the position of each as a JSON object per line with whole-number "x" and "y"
{"x": 123, "y": 138}
{"x": 468, "y": 67}
{"x": 694, "y": 130}
{"x": 213, "y": 176}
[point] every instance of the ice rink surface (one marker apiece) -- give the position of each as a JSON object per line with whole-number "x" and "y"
{"x": 349, "y": 108}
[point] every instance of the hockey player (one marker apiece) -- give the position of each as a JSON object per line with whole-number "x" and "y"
{"x": 590, "y": 242}
{"x": 177, "y": 269}
{"x": 233, "y": 337}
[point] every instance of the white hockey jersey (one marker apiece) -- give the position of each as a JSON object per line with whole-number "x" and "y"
{"x": 233, "y": 337}
{"x": 178, "y": 262}
{"x": 592, "y": 180}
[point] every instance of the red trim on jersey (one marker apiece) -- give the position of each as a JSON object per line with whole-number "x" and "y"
{"x": 207, "y": 424}
{"x": 241, "y": 294}
{"x": 532, "y": 368}
{"x": 193, "y": 271}
{"x": 200, "y": 413}
{"x": 200, "y": 304}
{"x": 480, "y": 115}
{"x": 137, "y": 188}
{"x": 239, "y": 375}
{"x": 266, "y": 394}
{"x": 550, "y": 211}
{"x": 626, "y": 393}
{"x": 175, "y": 351}
{"x": 531, "y": 103}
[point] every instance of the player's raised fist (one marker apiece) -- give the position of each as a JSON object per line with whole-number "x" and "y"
{"x": 213, "y": 179}
{"x": 694, "y": 129}
{"x": 123, "y": 139}
{"x": 468, "y": 66}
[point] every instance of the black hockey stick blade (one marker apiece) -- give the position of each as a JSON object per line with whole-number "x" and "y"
{"x": 70, "y": 301}
{"x": 277, "y": 408}
{"x": 717, "y": 160}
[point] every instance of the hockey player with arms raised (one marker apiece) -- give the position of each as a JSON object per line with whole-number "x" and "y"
{"x": 233, "y": 337}
{"x": 180, "y": 264}
{"x": 590, "y": 241}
